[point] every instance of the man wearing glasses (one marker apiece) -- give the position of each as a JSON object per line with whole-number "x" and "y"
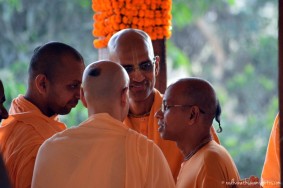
{"x": 132, "y": 48}
{"x": 188, "y": 109}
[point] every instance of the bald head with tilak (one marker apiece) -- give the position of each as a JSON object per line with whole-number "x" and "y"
{"x": 133, "y": 49}
{"x": 105, "y": 89}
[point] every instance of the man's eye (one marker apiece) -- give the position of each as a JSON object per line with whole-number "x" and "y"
{"x": 74, "y": 86}
{"x": 128, "y": 68}
{"x": 146, "y": 66}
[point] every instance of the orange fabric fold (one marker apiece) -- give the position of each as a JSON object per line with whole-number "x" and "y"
{"x": 270, "y": 176}
{"x": 21, "y": 136}
{"x": 169, "y": 148}
{"x": 212, "y": 166}
{"x": 100, "y": 152}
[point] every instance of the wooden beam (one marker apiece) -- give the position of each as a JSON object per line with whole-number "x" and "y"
{"x": 159, "y": 47}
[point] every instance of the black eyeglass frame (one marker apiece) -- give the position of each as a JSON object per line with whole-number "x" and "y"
{"x": 144, "y": 66}
{"x": 165, "y": 107}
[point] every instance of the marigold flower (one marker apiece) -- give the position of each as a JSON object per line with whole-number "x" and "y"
{"x": 110, "y": 16}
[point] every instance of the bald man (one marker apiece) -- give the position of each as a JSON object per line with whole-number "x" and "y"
{"x": 132, "y": 48}
{"x": 55, "y": 75}
{"x": 102, "y": 151}
{"x": 188, "y": 109}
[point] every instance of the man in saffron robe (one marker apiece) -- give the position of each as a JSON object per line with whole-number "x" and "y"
{"x": 102, "y": 151}
{"x": 270, "y": 177}
{"x": 188, "y": 109}
{"x": 132, "y": 48}
{"x": 55, "y": 74}
{"x": 3, "y": 111}
{"x": 4, "y": 180}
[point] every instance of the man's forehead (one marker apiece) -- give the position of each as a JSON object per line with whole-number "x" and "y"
{"x": 132, "y": 58}
{"x": 168, "y": 95}
{"x": 131, "y": 47}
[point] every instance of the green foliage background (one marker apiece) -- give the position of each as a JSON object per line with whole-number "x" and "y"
{"x": 233, "y": 44}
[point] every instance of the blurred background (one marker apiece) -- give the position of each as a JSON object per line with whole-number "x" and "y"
{"x": 231, "y": 43}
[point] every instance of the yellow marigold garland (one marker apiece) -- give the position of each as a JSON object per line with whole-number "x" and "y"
{"x": 110, "y": 16}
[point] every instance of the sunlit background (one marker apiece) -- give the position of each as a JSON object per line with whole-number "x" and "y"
{"x": 231, "y": 43}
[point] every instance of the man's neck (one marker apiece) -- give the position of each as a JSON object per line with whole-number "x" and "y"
{"x": 37, "y": 102}
{"x": 140, "y": 108}
{"x": 192, "y": 145}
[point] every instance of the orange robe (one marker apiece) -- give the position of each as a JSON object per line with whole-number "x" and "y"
{"x": 149, "y": 128}
{"x": 270, "y": 176}
{"x": 101, "y": 152}
{"x": 20, "y": 138}
{"x": 212, "y": 166}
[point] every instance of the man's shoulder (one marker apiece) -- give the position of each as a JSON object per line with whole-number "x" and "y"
{"x": 18, "y": 138}
{"x": 13, "y": 124}
{"x": 134, "y": 134}
{"x": 25, "y": 129}
{"x": 142, "y": 142}
{"x": 68, "y": 136}
{"x": 215, "y": 153}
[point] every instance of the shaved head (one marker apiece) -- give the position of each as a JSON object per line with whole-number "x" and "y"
{"x": 198, "y": 92}
{"x": 127, "y": 40}
{"x": 133, "y": 48}
{"x": 55, "y": 76}
{"x": 47, "y": 59}
{"x": 104, "y": 82}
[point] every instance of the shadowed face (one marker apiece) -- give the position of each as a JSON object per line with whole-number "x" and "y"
{"x": 64, "y": 91}
{"x": 3, "y": 111}
{"x": 173, "y": 115}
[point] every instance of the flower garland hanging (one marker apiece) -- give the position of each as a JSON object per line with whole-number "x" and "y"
{"x": 110, "y": 16}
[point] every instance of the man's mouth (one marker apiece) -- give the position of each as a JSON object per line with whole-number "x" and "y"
{"x": 73, "y": 104}
{"x": 138, "y": 86}
{"x": 161, "y": 127}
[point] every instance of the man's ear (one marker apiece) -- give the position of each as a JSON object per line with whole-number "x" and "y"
{"x": 41, "y": 83}
{"x": 82, "y": 96}
{"x": 157, "y": 65}
{"x": 193, "y": 115}
{"x": 125, "y": 96}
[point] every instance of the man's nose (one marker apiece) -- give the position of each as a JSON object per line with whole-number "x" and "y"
{"x": 77, "y": 93}
{"x": 137, "y": 75}
{"x": 158, "y": 114}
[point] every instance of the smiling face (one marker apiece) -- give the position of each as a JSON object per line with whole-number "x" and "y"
{"x": 3, "y": 111}
{"x": 141, "y": 82}
{"x": 134, "y": 52}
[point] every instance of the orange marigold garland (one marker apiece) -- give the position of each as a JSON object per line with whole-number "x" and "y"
{"x": 110, "y": 16}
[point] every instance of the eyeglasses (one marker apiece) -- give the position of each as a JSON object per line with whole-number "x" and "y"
{"x": 165, "y": 107}
{"x": 144, "y": 66}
